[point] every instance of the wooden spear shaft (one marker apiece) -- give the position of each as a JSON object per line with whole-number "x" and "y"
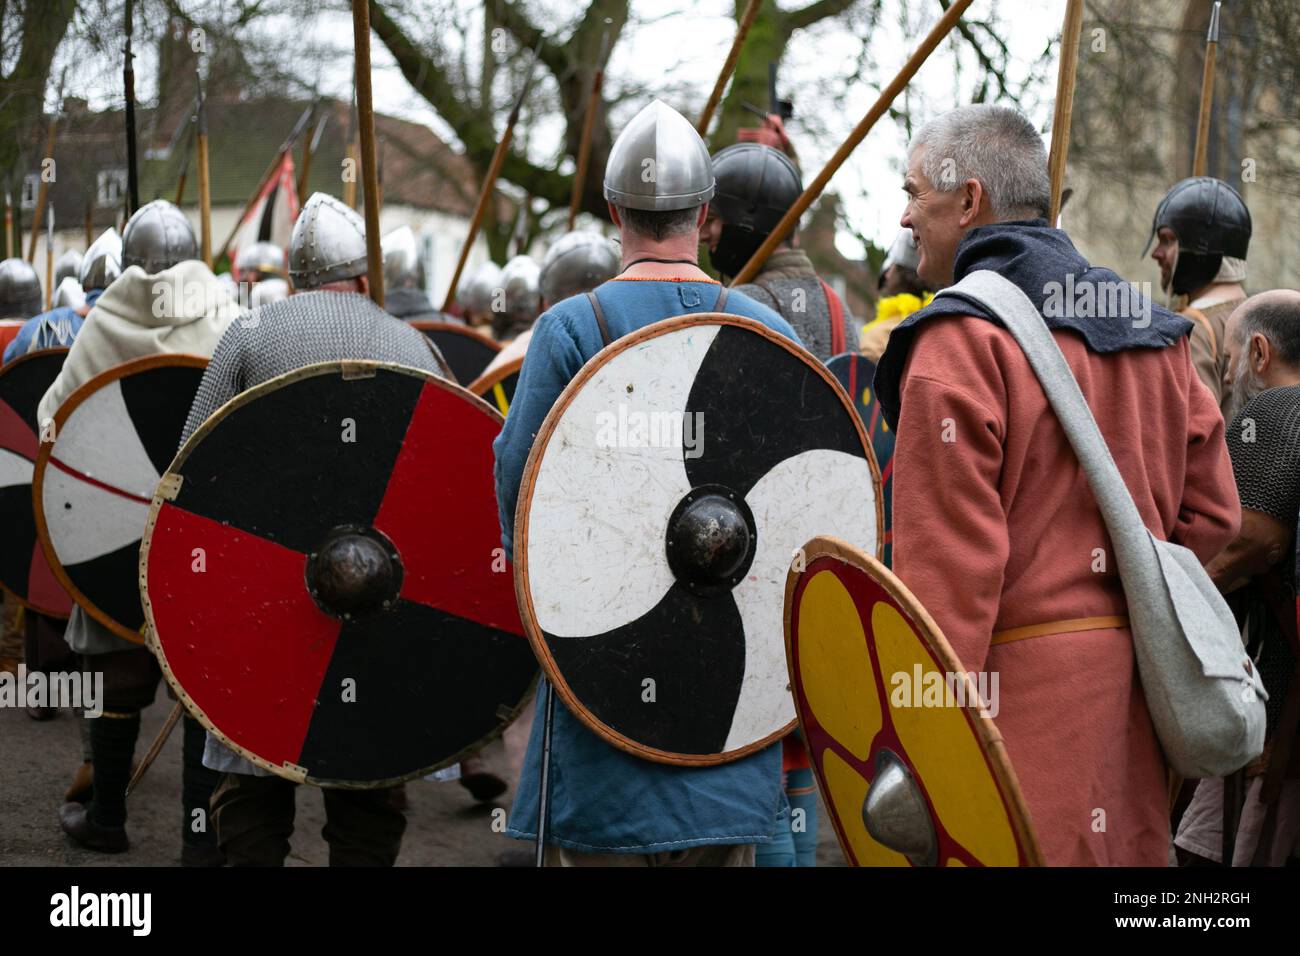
{"x": 49, "y": 263}
{"x": 201, "y": 158}
{"x": 1207, "y": 94}
{"x": 878, "y": 109}
{"x": 728, "y": 65}
{"x": 1064, "y": 111}
{"x": 489, "y": 185}
{"x": 588, "y": 123}
{"x": 369, "y": 166}
{"x": 43, "y": 192}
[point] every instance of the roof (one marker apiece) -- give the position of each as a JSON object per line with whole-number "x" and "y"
{"x": 244, "y": 139}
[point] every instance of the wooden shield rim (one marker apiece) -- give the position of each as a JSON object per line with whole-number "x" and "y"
{"x": 527, "y": 484}
{"x": 986, "y": 732}
{"x": 429, "y": 325}
{"x": 166, "y": 490}
{"x": 61, "y": 415}
{"x": 19, "y": 599}
{"x": 483, "y": 384}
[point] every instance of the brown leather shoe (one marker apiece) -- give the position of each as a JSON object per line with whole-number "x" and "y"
{"x": 83, "y": 784}
{"x": 76, "y": 823}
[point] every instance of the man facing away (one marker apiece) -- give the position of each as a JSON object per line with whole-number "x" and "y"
{"x": 756, "y": 186}
{"x": 328, "y": 319}
{"x": 995, "y": 528}
{"x": 608, "y": 807}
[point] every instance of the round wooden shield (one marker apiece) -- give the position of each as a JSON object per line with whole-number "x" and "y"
{"x": 24, "y": 570}
{"x": 323, "y": 577}
{"x": 113, "y": 438}
{"x": 659, "y": 510}
{"x": 902, "y": 747}
{"x": 856, "y": 373}
{"x": 497, "y": 387}
{"x": 467, "y": 352}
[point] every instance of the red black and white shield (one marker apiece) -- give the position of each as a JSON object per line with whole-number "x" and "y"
{"x": 24, "y": 570}
{"x": 113, "y": 438}
{"x": 856, "y": 373}
{"x": 497, "y": 387}
{"x": 663, "y": 500}
{"x": 307, "y": 601}
{"x": 467, "y": 352}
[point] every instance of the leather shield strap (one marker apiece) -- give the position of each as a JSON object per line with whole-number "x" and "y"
{"x": 606, "y": 338}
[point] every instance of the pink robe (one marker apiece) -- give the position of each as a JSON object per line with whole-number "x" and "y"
{"x": 996, "y": 528}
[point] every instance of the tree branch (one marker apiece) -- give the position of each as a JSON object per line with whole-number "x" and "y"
{"x": 813, "y": 12}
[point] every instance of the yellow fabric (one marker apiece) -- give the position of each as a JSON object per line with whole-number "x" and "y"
{"x": 900, "y": 306}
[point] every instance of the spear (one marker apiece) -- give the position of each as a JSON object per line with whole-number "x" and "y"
{"x": 728, "y": 65}
{"x": 1207, "y": 93}
{"x": 1064, "y": 104}
{"x": 205, "y": 194}
{"x": 49, "y": 262}
{"x": 309, "y": 150}
{"x": 128, "y": 81}
{"x": 271, "y": 170}
{"x": 878, "y": 109}
{"x": 185, "y": 167}
{"x": 588, "y": 122}
{"x": 369, "y": 166}
{"x": 43, "y": 192}
{"x": 490, "y": 180}
{"x": 350, "y": 185}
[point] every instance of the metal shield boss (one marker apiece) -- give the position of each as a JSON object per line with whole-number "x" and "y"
{"x": 308, "y": 604}
{"x": 910, "y": 765}
{"x": 662, "y": 502}
{"x": 113, "y": 439}
{"x": 24, "y": 570}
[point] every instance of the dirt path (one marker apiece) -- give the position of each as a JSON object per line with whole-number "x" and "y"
{"x": 445, "y": 826}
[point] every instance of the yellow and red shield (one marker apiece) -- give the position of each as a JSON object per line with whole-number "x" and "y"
{"x": 884, "y": 703}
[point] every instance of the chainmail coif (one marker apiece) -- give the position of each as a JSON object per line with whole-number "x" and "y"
{"x": 306, "y": 329}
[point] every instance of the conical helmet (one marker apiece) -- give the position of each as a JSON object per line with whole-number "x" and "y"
{"x": 403, "y": 268}
{"x": 523, "y": 297}
{"x": 328, "y": 244}
{"x": 260, "y": 259}
{"x": 659, "y": 162}
{"x": 476, "y": 292}
{"x": 102, "y": 262}
{"x": 577, "y": 262}
{"x": 68, "y": 264}
{"x": 157, "y": 237}
{"x": 20, "y": 290}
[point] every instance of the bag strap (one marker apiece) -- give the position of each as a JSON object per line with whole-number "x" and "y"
{"x": 1002, "y": 298}
{"x": 605, "y": 337}
{"x": 721, "y": 302}
{"x": 837, "y": 318}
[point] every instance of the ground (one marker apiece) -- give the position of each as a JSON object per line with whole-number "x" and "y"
{"x": 445, "y": 826}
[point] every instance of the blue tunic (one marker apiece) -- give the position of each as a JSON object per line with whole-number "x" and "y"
{"x": 604, "y": 800}
{"x": 49, "y": 330}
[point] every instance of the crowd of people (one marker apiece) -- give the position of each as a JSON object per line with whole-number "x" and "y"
{"x": 994, "y": 527}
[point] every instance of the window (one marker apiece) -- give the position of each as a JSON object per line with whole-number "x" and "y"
{"x": 111, "y": 187}
{"x": 31, "y": 186}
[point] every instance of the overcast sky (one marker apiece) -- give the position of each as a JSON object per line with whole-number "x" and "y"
{"x": 690, "y": 39}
